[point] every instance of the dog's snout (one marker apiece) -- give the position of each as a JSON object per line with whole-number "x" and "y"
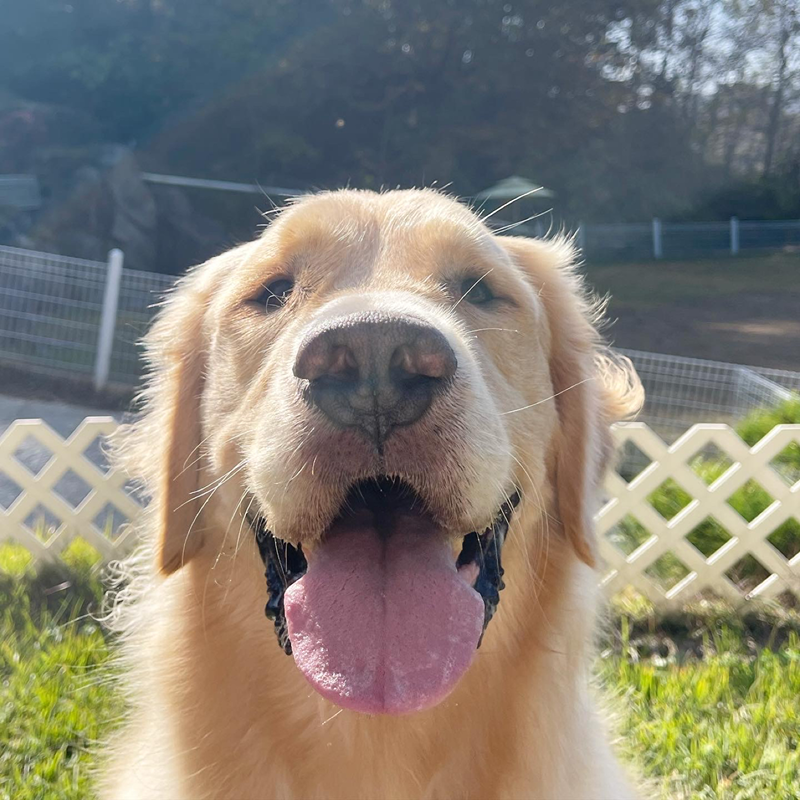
{"x": 375, "y": 371}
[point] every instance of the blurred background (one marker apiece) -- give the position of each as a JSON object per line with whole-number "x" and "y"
{"x": 663, "y": 134}
{"x": 139, "y": 137}
{"x": 686, "y": 110}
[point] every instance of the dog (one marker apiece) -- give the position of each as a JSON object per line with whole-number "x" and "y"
{"x": 386, "y": 425}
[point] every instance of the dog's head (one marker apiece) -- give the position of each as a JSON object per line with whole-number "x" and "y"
{"x": 372, "y": 387}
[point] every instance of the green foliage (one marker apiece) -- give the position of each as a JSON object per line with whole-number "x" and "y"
{"x": 776, "y": 197}
{"x": 759, "y": 423}
{"x": 325, "y": 92}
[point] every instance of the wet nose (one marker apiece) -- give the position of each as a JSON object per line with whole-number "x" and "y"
{"x": 374, "y": 371}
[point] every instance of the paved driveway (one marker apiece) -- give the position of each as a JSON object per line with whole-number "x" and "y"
{"x": 62, "y": 417}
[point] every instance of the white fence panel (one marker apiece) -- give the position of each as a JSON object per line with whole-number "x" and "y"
{"x": 55, "y": 490}
{"x": 672, "y": 462}
{"x": 61, "y": 489}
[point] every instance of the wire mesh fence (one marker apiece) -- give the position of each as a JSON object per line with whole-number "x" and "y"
{"x": 51, "y": 307}
{"x": 691, "y": 240}
{"x": 50, "y": 311}
{"x": 770, "y": 235}
{"x": 139, "y": 295}
{"x": 617, "y": 241}
{"x": 682, "y": 391}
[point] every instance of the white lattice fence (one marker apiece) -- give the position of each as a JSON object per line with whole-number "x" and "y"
{"x": 54, "y": 490}
{"x": 708, "y": 501}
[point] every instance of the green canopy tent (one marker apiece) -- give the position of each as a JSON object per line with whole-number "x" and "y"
{"x": 521, "y": 197}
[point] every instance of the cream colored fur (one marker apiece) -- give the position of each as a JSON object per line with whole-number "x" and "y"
{"x": 218, "y": 711}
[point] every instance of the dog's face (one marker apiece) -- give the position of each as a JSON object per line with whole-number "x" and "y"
{"x": 373, "y": 336}
{"x": 375, "y": 384}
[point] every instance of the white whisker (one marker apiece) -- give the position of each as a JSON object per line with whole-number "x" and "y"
{"x": 455, "y": 305}
{"x": 481, "y": 330}
{"x": 539, "y": 402}
{"x": 325, "y": 722}
{"x": 512, "y": 225}
{"x": 511, "y": 202}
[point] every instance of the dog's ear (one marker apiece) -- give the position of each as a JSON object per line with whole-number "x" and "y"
{"x": 592, "y": 387}
{"x": 163, "y": 448}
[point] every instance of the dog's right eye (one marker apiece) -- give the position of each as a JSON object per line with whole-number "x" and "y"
{"x": 275, "y": 294}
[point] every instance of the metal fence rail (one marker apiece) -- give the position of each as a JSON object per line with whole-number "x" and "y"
{"x": 676, "y": 240}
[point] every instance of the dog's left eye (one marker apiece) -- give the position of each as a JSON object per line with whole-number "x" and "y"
{"x": 275, "y": 294}
{"x": 476, "y": 291}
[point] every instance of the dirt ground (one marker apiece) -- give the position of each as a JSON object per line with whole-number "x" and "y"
{"x": 742, "y": 311}
{"x": 762, "y": 330}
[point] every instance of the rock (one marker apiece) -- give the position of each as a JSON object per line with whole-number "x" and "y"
{"x": 184, "y": 236}
{"x": 134, "y": 224}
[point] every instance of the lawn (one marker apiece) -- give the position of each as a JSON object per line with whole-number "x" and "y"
{"x": 743, "y": 310}
{"x": 55, "y": 699}
{"x": 707, "y": 705}
{"x": 652, "y": 283}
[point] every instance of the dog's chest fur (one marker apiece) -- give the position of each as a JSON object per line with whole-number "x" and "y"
{"x": 227, "y": 715}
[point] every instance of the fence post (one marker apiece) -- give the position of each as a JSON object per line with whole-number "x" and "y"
{"x": 658, "y": 250}
{"x": 734, "y": 236}
{"x": 108, "y": 318}
{"x": 581, "y": 238}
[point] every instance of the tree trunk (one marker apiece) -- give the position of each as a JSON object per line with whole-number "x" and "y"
{"x": 776, "y": 109}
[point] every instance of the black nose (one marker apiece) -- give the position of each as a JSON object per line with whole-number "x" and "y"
{"x": 375, "y": 371}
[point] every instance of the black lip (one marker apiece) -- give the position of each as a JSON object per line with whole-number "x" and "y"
{"x": 286, "y": 564}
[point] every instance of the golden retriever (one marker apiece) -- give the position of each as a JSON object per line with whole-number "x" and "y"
{"x": 373, "y": 401}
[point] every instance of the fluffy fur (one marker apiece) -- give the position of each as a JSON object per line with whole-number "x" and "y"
{"x": 218, "y": 710}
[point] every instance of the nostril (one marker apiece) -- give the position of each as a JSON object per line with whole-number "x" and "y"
{"x": 322, "y": 360}
{"x": 427, "y": 362}
{"x": 343, "y": 364}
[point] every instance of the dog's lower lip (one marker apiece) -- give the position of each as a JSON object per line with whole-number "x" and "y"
{"x": 478, "y": 562}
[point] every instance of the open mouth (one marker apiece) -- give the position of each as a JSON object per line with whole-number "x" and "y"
{"x": 383, "y": 617}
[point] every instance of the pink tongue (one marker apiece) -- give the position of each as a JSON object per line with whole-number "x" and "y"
{"x": 383, "y": 625}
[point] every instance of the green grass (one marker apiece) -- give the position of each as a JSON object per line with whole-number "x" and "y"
{"x": 709, "y": 702}
{"x": 55, "y": 703}
{"x": 724, "y": 725}
{"x": 650, "y": 283}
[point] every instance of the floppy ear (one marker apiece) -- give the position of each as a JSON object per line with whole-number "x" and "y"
{"x": 176, "y": 358}
{"x": 592, "y": 386}
{"x": 163, "y": 448}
